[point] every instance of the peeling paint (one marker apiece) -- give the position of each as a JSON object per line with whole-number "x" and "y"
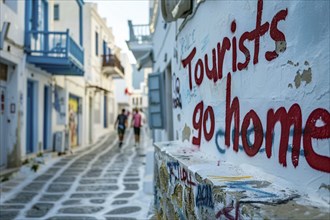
{"x": 292, "y": 63}
{"x": 164, "y": 177}
{"x": 177, "y": 195}
{"x": 186, "y": 133}
{"x": 306, "y": 77}
{"x": 325, "y": 186}
{"x": 280, "y": 46}
{"x": 190, "y": 203}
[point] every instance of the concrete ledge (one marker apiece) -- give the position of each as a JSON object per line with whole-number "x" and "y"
{"x": 6, "y": 173}
{"x": 192, "y": 185}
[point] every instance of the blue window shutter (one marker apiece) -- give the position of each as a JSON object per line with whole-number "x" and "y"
{"x": 109, "y": 50}
{"x": 56, "y": 12}
{"x": 156, "y": 102}
{"x": 96, "y": 44}
{"x": 35, "y": 15}
{"x": 104, "y": 48}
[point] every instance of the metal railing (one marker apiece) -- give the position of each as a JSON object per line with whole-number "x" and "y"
{"x": 54, "y": 44}
{"x": 139, "y": 32}
{"x": 112, "y": 61}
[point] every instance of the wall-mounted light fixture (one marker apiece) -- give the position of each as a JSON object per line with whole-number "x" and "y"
{"x": 175, "y": 9}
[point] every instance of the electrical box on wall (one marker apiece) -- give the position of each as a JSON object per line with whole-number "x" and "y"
{"x": 174, "y": 9}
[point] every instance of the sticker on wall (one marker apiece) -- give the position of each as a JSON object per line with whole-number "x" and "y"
{"x": 176, "y": 92}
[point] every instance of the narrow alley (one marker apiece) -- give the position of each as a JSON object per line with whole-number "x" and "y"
{"x": 102, "y": 182}
{"x": 232, "y": 99}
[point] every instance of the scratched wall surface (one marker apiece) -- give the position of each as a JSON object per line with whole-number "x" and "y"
{"x": 252, "y": 87}
{"x": 189, "y": 185}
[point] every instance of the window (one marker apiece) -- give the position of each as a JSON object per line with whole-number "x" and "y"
{"x": 156, "y": 96}
{"x": 56, "y": 12}
{"x": 140, "y": 100}
{"x": 96, "y": 43}
{"x": 104, "y": 47}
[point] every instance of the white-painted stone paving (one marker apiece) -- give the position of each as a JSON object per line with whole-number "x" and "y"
{"x": 102, "y": 182}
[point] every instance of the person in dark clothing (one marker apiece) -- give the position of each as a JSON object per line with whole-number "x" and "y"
{"x": 122, "y": 123}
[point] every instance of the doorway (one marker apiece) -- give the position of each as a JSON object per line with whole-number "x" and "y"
{"x": 90, "y": 120}
{"x": 74, "y": 120}
{"x": 105, "y": 112}
{"x": 31, "y": 117}
{"x": 47, "y": 118}
{"x": 3, "y": 127}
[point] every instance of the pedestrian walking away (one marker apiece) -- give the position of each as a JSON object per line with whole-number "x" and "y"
{"x": 122, "y": 123}
{"x": 137, "y": 123}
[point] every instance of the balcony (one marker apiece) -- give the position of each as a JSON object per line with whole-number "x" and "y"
{"x": 140, "y": 43}
{"x": 55, "y": 52}
{"x": 111, "y": 66}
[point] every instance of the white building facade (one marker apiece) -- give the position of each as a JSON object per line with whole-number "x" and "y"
{"x": 56, "y": 78}
{"x": 33, "y": 52}
{"x": 102, "y": 66}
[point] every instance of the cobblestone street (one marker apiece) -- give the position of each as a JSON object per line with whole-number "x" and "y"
{"x": 102, "y": 182}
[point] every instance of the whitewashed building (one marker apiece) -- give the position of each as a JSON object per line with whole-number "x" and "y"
{"x": 12, "y": 59}
{"x": 123, "y": 87}
{"x": 34, "y": 50}
{"x": 102, "y": 66}
{"x": 58, "y": 60}
{"x": 241, "y": 90}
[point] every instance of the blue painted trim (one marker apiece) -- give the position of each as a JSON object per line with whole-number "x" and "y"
{"x": 81, "y": 26}
{"x": 46, "y": 18}
{"x": 34, "y": 15}
{"x": 80, "y": 2}
{"x": 64, "y": 57}
{"x": 46, "y": 43}
{"x": 29, "y": 118}
{"x": 104, "y": 47}
{"x": 47, "y": 133}
{"x": 27, "y": 38}
{"x": 36, "y": 116}
{"x": 32, "y": 125}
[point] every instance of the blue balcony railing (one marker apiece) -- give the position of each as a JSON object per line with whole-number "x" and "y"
{"x": 55, "y": 52}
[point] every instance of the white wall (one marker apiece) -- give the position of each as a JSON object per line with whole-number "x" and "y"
{"x": 297, "y": 79}
{"x": 164, "y": 51}
{"x": 68, "y": 19}
{"x": 93, "y": 71}
{"x": 12, "y": 55}
{"x": 41, "y": 78}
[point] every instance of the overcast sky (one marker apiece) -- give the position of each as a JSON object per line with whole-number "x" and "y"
{"x": 118, "y": 12}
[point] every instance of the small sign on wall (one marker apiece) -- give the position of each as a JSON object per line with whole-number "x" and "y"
{"x": 12, "y": 108}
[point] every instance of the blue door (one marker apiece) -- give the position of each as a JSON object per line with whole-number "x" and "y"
{"x": 47, "y": 118}
{"x": 29, "y": 117}
{"x": 105, "y": 112}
